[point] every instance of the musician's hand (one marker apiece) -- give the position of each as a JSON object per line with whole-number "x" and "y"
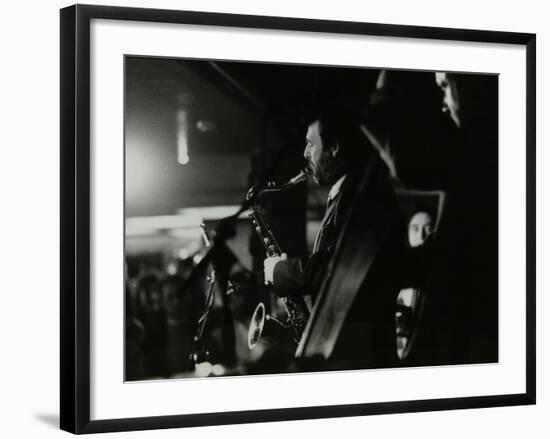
{"x": 269, "y": 267}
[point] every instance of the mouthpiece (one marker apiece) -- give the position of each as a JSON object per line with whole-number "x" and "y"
{"x": 302, "y": 176}
{"x": 255, "y": 192}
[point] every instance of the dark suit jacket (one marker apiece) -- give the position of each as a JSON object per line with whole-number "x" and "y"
{"x": 304, "y": 276}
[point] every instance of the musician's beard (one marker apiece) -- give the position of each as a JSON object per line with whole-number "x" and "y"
{"x": 326, "y": 171}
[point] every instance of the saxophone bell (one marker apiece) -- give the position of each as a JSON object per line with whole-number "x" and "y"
{"x": 256, "y": 327}
{"x": 267, "y": 328}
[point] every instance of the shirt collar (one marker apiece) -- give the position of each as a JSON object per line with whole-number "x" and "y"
{"x": 336, "y": 187}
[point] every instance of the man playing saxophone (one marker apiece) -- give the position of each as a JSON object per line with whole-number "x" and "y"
{"x": 326, "y": 164}
{"x": 338, "y": 155}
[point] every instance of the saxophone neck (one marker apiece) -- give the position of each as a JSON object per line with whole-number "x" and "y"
{"x": 255, "y": 192}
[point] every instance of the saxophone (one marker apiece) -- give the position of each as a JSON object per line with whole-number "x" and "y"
{"x": 296, "y": 309}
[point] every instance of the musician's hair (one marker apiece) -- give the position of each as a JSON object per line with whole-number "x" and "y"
{"x": 342, "y": 127}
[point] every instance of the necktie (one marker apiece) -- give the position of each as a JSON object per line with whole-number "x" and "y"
{"x": 329, "y": 213}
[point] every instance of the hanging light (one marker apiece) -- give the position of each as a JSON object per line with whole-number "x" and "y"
{"x": 182, "y": 136}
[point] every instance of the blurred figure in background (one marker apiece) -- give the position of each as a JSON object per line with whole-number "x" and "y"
{"x": 405, "y": 124}
{"x": 409, "y": 300}
{"x": 134, "y": 337}
{"x": 440, "y": 132}
{"x": 180, "y": 324}
{"x": 468, "y": 99}
{"x": 152, "y": 314}
{"x": 421, "y": 226}
{"x": 467, "y": 251}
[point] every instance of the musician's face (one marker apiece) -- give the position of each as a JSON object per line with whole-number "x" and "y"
{"x": 319, "y": 157}
{"x": 450, "y": 96}
{"x": 420, "y": 227}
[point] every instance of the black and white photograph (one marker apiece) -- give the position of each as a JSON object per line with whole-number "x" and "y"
{"x": 297, "y": 218}
{"x": 275, "y": 219}
{"x": 271, "y": 218}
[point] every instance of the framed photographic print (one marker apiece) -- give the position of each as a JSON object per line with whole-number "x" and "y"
{"x": 267, "y": 218}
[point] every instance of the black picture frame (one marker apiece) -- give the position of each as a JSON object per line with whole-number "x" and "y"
{"x": 76, "y": 210}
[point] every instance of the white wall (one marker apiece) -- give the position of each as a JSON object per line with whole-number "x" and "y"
{"x": 30, "y": 203}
